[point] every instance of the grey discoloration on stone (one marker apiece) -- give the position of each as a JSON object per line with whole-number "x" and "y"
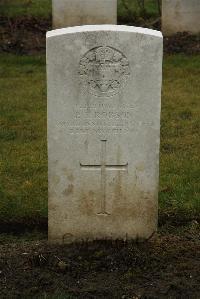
{"x": 103, "y": 146}
{"x": 68, "y": 13}
{"x": 180, "y": 16}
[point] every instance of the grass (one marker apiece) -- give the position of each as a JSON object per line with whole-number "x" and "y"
{"x": 16, "y": 8}
{"x": 23, "y": 154}
{"x": 23, "y": 163}
{"x": 180, "y": 127}
{"x": 134, "y": 11}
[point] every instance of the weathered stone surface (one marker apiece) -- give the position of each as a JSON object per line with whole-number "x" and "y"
{"x": 180, "y": 16}
{"x": 83, "y": 12}
{"x": 104, "y": 90}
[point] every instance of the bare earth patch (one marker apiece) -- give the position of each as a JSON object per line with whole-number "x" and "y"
{"x": 23, "y": 35}
{"x": 27, "y": 35}
{"x": 167, "y": 266}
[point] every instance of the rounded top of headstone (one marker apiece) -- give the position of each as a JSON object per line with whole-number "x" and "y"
{"x": 113, "y": 28}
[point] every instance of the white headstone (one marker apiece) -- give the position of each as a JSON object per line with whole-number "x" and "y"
{"x": 104, "y": 96}
{"x": 180, "y": 16}
{"x": 83, "y": 12}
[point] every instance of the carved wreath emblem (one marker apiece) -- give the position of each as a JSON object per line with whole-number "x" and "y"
{"x": 104, "y": 71}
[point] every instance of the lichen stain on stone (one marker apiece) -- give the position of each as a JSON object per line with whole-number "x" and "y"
{"x": 125, "y": 212}
{"x": 139, "y": 207}
{"x": 150, "y": 209}
{"x": 68, "y": 190}
{"x": 87, "y": 205}
{"x": 55, "y": 180}
{"x": 118, "y": 188}
{"x": 55, "y": 162}
{"x": 118, "y": 180}
{"x": 52, "y": 206}
{"x": 67, "y": 238}
{"x": 140, "y": 166}
{"x": 86, "y": 143}
{"x": 68, "y": 174}
{"x": 70, "y": 177}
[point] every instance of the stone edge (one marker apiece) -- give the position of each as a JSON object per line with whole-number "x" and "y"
{"x": 114, "y": 28}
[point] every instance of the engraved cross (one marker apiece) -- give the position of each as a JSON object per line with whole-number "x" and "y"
{"x": 104, "y": 167}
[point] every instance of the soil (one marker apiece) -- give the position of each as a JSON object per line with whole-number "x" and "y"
{"x": 26, "y": 35}
{"x": 165, "y": 266}
{"x": 23, "y": 35}
{"x": 182, "y": 43}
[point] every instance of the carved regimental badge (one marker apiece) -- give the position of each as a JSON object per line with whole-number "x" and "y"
{"x": 104, "y": 71}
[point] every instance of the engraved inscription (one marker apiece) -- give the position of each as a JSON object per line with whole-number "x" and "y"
{"x": 103, "y": 119}
{"x": 103, "y": 166}
{"x": 100, "y": 119}
{"x": 104, "y": 71}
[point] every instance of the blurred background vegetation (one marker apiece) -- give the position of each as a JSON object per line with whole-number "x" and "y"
{"x": 28, "y": 8}
{"x": 138, "y": 12}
